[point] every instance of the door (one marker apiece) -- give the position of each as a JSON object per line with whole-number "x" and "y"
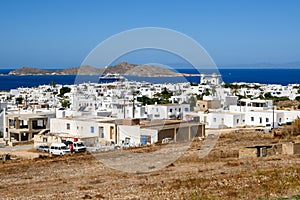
{"x": 111, "y": 132}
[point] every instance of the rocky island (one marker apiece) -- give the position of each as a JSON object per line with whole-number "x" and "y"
{"x": 122, "y": 68}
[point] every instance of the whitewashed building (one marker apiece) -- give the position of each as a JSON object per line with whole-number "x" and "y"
{"x": 135, "y": 135}
{"x": 102, "y": 129}
{"x": 167, "y": 111}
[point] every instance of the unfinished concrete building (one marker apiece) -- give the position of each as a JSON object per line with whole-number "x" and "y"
{"x": 23, "y": 127}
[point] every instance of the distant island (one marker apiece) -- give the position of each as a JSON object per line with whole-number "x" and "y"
{"x": 122, "y": 68}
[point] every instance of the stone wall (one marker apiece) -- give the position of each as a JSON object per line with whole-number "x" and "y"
{"x": 291, "y": 148}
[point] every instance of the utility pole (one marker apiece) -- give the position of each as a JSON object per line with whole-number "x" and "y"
{"x": 273, "y": 116}
{"x": 133, "y": 108}
{"x": 124, "y": 108}
{"x": 134, "y": 93}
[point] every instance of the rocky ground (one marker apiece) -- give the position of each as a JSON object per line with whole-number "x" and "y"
{"x": 220, "y": 175}
{"x": 288, "y": 105}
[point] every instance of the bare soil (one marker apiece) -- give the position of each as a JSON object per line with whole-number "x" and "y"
{"x": 220, "y": 175}
{"x": 288, "y": 105}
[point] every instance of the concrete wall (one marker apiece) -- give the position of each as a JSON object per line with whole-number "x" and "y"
{"x": 291, "y": 148}
{"x": 45, "y": 140}
{"x": 260, "y": 151}
{"x": 152, "y": 133}
{"x": 130, "y": 132}
{"x": 247, "y": 152}
{"x": 209, "y": 104}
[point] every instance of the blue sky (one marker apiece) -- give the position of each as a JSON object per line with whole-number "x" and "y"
{"x": 60, "y": 33}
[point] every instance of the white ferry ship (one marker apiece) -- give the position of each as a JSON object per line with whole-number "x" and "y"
{"x": 111, "y": 78}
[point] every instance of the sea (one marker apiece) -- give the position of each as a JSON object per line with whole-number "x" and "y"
{"x": 267, "y": 76}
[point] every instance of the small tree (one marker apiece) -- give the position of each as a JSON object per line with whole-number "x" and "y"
{"x": 65, "y": 104}
{"x": 166, "y": 94}
{"x": 192, "y": 102}
{"x": 63, "y": 91}
{"x": 207, "y": 93}
{"x": 19, "y": 100}
{"x": 268, "y": 95}
{"x": 53, "y": 84}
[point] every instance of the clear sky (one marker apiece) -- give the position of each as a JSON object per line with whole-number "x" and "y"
{"x": 60, "y": 33}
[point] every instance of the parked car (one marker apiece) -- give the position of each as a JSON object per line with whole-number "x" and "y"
{"x": 79, "y": 147}
{"x": 268, "y": 128}
{"x": 75, "y": 146}
{"x": 59, "y": 149}
{"x": 167, "y": 140}
{"x": 43, "y": 148}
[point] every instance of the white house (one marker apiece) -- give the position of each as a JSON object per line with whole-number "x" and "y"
{"x": 103, "y": 129}
{"x": 167, "y": 111}
{"x": 290, "y": 116}
{"x": 251, "y": 105}
{"x": 123, "y": 108}
{"x": 135, "y": 135}
{"x": 222, "y": 119}
{"x": 264, "y": 118}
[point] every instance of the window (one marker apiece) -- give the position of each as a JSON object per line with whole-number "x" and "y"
{"x": 171, "y": 109}
{"x": 68, "y": 126}
{"x": 186, "y": 109}
{"x": 40, "y": 123}
{"x": 101, "y": 132}
{"x": 179, "y": 109}
{"x": 237, "y": 121}
{"x": 45, "y": 140}
{"x": 267, "y": 119}
{"x": 11, "y": 122}
{"x": 215, "y": 119}
{"x": 252, "y": 119}
{"x": 92, "y": 129}
{"x": 260, "y": 120}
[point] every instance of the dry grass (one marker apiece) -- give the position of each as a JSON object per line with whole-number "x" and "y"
{"x": 220, "y": 175}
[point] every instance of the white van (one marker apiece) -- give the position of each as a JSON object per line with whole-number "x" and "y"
{"x": 59, "y": 149}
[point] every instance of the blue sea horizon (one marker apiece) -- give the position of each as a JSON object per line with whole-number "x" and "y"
{"x": 266, "y": 76}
